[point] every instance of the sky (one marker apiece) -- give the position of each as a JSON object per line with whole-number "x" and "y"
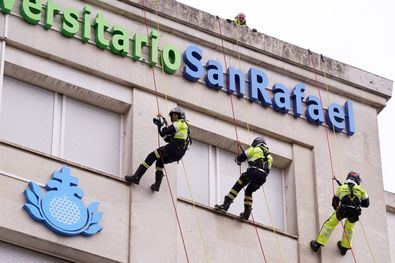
{"x": 360, "y": 33}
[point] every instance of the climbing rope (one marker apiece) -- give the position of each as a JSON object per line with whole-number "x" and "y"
{"x": 195, "y": 212}
{"x": 182, "y": 161}
{"x": 246, "y": 116}
{"x": 249, "y": 133}
{"x": 167, "y": 179}
{"x": 237, "y": 135}
{"x": 329, "y": 148}
{"x": 324, "y": 69}
{"x": 161, "y": 57}
{"x": 366, "y": 238}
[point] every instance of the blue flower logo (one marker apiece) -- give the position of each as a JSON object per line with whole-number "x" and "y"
{"x": 61, "y": 209}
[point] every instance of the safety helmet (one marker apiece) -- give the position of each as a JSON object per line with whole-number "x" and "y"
{"x": 241, "y": 15}
{"x": 179, "y": 111}
{"x": 355, "y": 177}
{"x": 259, "y": 141}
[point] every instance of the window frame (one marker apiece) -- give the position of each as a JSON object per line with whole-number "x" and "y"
{"x": 214, "y": 184}
{"x": 58, "y": 130}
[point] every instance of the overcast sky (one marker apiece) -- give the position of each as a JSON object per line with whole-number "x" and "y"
{"x": 357, "y": 32}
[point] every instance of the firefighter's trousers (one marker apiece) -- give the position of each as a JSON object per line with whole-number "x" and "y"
{"x": 328, "y": 227}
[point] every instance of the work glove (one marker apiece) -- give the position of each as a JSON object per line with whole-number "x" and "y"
{"x": 159, "y": 121}
{"x": 237, "y": 162}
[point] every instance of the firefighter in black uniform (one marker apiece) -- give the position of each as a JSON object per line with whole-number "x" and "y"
{"x": 177, "y": 137}
{"x": 260, "y": 162}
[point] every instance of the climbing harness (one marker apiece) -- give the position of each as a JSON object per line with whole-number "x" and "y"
{"x": 237, "y": 135}
{"x": 189, "y": 141}
{"x": 324, "y": 69}
{"x": 165, "y": 172}
{"x": 327, "y": 140}
{"x": 249, "y": 133}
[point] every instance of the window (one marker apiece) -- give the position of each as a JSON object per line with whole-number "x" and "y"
{"x": 92, "y": 136}
{"x": 26, "y": 115}
{"x": 212, "y": 172}
{"x": 14, "y": 254}
{"x": 196, "y": 161}
{"x": 52, "y": 123}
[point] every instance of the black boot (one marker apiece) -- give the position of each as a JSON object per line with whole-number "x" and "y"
{"x": 225, "y": 206}
{"x": 135, "y": 179}
{"x": 246, "y": 214}
{"x": 315, "y": 246}
{"x": 158, "y": 180}
{"x": 343, "y": 250}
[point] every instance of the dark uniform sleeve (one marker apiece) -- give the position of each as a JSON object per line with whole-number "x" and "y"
{"x": 365, "y": 199}
{"x": 241, "y": 157}
{"x": 365, "y": 202}
{"x": 167, "y": 130}
{"x": 335, "y": 202}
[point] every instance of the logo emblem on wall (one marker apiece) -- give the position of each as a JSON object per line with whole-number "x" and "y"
{"x": 62, "y": 209}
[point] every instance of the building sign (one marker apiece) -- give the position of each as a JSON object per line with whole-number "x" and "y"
{"x": 61, "y": 208}
{"x": 337, "y": 117}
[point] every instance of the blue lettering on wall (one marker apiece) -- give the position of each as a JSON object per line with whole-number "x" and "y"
{"x": 280, "y": 100}
{"x": 236, "y": 81}
{"x": 193, "y": 69}
{"x": 335, "y": 117}
{"x": 297, "y": 96}
{"x": 314, "y": 112}
{"x": 350, "y": 126}
{"x": 257, "y": 86}
{"x": 215, "y": 75}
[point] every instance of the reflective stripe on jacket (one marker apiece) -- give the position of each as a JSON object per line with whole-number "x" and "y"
{"x": 181, "y": 128}
{"x": 255, "y": 153}
{"x": 357, "y": 190}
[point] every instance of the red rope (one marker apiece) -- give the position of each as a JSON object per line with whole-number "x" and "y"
{"x": 167, "y": 179}
{"x": 237, "y": 135}
{"x": 329, "y": 150}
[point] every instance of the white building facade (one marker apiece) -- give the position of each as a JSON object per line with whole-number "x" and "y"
{"x": 80, "y": 82}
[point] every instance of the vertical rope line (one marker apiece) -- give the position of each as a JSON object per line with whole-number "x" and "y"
{"x": 167, "y": 179}
{"x": 182, "y": 161}
{"x": 249, "y": 133}
{"x": 161, "y": 57}
{"x": 195, "y": 212}
{"x": 237, "y": 136}
{"x": 322, "y": 62}
{"x": 370, "y": 249}
{"x": 324, "y": 67}
{"x": 272, "y": 223}
{"x": 329, "y": 146}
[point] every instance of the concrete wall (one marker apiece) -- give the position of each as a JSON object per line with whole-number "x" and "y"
{"x": 140, "y": 226}
{"x": 390, "y": 204}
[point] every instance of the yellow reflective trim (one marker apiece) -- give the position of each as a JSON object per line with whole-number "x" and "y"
{"x": 248, "y": 198}
{"x": 145, "y": 165}
{"x": 254, "y": 153}
{"x": 156, "y": 154}
{"x": 233, "y": 191}
{"x": 247, "y": 203}
{"x": 181, "y": 130}
{"x": 159, "y": 169}
{"x": 231, "y": 196}
{"x": 239, "y": 181}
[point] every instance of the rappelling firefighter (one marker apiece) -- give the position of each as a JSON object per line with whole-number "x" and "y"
{"x": 260, "y": 162}
{"x": 347, "y": 203}
{"x": 177, "y": 137}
